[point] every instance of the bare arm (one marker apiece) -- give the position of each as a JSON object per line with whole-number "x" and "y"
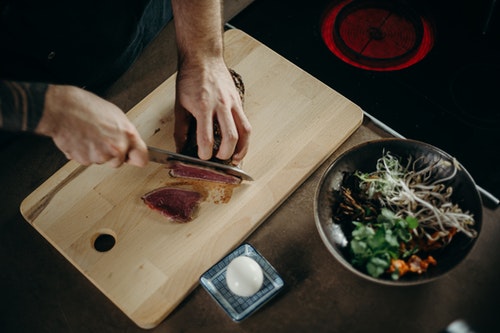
{"x": 84, "y": 127}
{"x": 205, "y": 88}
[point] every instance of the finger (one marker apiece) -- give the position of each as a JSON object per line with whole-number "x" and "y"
{"x": 205, "y": 136}
{"x": 239, "y": 155}
{"x": 67, "y": 155}
{"x": 229, "y": 135}
{"x": 115, "y": 162}
{"x": 244, "y": 132}
{"x": 181, "y": 127}
{"x": 138, "y": 153}
{"x": 98, "y": 153}
{"x": 102, "y": 159}
{"x": 81, "y": 158}
{"x": 64, "y": 147}
{"x": 117, "y": 154}
{"x": 75, "y": 155}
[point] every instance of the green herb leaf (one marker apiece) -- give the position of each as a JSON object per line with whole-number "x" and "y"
{"x": 374, "y": 245}
{"x": 412, "y": 222}
{"x": 377, "y": 266}
{"x": 358, "y": 247}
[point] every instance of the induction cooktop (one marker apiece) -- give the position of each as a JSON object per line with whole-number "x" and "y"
{"x": 427, "y": 69}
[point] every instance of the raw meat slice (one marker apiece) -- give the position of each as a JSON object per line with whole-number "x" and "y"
{"x": 184, "y": 170}
{"x": 175, "y": 203}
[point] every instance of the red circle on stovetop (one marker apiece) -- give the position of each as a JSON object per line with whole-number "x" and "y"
{"x": 376, "y": 35}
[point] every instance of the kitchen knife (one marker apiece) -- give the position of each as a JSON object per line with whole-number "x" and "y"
{"x": 164, "y": 156}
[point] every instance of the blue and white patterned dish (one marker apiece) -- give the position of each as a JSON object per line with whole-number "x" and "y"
{"x": 237, "y": 307}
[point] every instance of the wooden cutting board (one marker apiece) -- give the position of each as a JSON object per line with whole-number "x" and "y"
{"x": 154, "y": 264}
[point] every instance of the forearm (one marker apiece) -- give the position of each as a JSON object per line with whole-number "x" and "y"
{"x": 199, "y": 28}
{"x": 21, "y": 105}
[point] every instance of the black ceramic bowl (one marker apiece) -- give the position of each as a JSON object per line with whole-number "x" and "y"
{"x": 363, "y": 158}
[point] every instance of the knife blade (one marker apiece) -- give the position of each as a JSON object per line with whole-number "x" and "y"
{"x": 164, "y": 156}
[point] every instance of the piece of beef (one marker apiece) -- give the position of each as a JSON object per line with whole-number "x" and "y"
{"x": 175, "y": 203}
{"x": 184, "y": 170}
{"x": 191, "y": 147}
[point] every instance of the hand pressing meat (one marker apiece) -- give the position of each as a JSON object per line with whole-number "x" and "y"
{"x": 191, "y": 145}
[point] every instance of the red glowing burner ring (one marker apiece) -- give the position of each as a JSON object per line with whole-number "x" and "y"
{"x": 376, "y": 35}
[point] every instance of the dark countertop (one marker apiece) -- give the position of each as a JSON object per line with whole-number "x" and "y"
{"x": 42, "y": 292}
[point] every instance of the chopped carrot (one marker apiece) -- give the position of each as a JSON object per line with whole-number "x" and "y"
{"x": 414, "y": 264}
{"x": 398, "y": 265}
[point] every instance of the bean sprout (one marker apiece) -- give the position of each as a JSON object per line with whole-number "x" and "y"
{"x": 408, "y": 191}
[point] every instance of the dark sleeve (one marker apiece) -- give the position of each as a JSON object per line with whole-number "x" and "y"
{"x": 21, "y": 105}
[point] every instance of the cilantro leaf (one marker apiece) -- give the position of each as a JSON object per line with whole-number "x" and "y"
{"x": 374, "y": 245}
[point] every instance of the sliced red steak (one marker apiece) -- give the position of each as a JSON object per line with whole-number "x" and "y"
{"x": 184, "y": 170}
{"x": 175, "y": 203}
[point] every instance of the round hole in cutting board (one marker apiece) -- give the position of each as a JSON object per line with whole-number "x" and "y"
{"x": 104, "y": 240}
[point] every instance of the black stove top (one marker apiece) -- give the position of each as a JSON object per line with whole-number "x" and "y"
{"x": 445, "y": 99}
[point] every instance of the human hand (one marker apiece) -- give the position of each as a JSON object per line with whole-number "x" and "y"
{"x": 89, "y": 129}
{"x": 207, "y": 92}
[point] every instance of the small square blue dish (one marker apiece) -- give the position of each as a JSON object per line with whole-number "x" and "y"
{"x": 237, "y": 307}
